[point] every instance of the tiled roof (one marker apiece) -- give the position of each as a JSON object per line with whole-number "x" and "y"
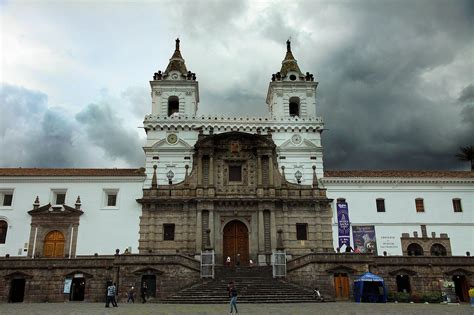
{"x": 403, "y": 174}
{"x": 71, "y": 172}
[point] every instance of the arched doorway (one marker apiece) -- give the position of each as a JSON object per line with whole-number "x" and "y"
{"x": 150, "y": 281}
{"x": 54, "y": 244}
{"x": 414, "y": 249}
{"x": 341, "y": 286}
{"x": 236, "y": 242}
{"x": 17, "y": 290}
{"x": 438, "y": 250}
{"x": 78, "y": 288}
{"x": 403, "y": 283}
{"x": 461, "y": 287}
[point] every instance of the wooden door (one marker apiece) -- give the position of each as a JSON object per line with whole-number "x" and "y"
{"x": 54, "y": 244}
{"x": 341, "y": 286}
{"x": 236, "y": 241}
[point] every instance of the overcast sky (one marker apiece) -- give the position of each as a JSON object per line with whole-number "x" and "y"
{"x": 396, "y": 78}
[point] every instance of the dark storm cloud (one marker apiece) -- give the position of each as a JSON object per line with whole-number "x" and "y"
{"x": 105, "y": 129}
{"x": 33, "y": 135}
{"x": 371, "y": 94}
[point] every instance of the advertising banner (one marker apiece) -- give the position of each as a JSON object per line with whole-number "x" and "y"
{"x": 343, "y": 224}
{"x": 364, "y": 239}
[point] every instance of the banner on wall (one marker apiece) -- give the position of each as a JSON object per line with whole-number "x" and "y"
{"x": 343, "y": 224}
{"x": 364, "y": 239}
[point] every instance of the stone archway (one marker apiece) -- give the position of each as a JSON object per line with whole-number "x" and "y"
{"x": 236, "y": 242}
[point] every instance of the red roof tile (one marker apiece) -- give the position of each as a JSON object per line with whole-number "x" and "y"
{"x": 394, "y": 173}
{"x": 72, "y": 172}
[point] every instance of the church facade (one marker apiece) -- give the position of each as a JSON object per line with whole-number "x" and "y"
{"x": 242, "y": 187}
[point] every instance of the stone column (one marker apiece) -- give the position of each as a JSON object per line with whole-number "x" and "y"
{"x": 270, "y": 170}
{"x": 273, "y": 229}
{"x": 199, "y": 173}
{"x": 211, "y": 173}
{"x": 261, "y": 232}
{"x": 211, "y": 227}
{"x": 198, "y": 231}
{"x": 259, "y": 170}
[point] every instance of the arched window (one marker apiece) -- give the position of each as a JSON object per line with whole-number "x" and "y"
{"x": 54, "y": 244}
{"x": 3, "y": 231}
{"x": 414, "y": 250}
{"x": 173, "y": 105}
{"x": 438, "y": 250}
{"x": 294, "y": 106}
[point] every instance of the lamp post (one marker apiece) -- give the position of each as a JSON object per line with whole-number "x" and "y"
{"x": 298, "y": 176}
{"x": 170, "y": 176}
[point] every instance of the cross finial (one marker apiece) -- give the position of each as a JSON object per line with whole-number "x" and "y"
{"x": 288, "y": 45}
{"x": 177, "y": 43}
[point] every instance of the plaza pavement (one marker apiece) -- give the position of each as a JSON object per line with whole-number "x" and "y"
{"x": 338, "y": 308}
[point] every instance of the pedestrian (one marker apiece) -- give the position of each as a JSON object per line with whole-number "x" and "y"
{"x": 114, "y": 297}
{"x": 349, "y": 248}
{"x": 110, "y": 295}
{"x": 233, "y": 299}
{"x": 143, "y": 292}
{"x": 471, "y": 295}
{"x": 250, "y": 263}
{"x": 317, "y": 295}
{"x": 131, "y": 295}
{"x": 237, "y": 260}
{"x": 229, "y": 286}
{"x": 227, "y": 261}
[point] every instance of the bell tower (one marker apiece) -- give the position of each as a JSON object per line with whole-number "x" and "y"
{"x": 175, "y": 91}
{"x": 291, "y": 93}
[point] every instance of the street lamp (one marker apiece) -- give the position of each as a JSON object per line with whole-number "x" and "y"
{"x": 170, "y": 176}
{"x": 298, "y": 176}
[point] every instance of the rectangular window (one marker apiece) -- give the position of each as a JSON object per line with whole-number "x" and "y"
{"x": 235, "y": 173}
{"x": 6, "y": 198}
{"x": 419, "y": 204}
{"x": 60, "y": 198}
{"x": 380, "y": 205}
{"x": 457, "y": 205}
{"x": 301, "y": 231}
{"x": 168, "y": 232}
{"x": 111, "y": 199}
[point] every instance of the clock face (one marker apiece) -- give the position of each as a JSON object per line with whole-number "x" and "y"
{"x": 172, "y": 138}
{"x": 296, "y": 139}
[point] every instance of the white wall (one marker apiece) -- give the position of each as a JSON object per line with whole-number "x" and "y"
{"x": 401, "y": 216}
{"x": 101, "y": 230}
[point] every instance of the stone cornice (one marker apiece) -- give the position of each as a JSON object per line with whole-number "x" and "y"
{"x": 70, "y": 179}
{"x": 396, "y": 181}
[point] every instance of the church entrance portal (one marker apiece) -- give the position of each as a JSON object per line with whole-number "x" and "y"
{"x": 461, "y": 287}
{"x": 17, "y": 290}
{"x": 236, "y": 243}
{"x": 150, "y": 281}
{"x": 341, "y": 286}
{"x": 78, "y": 288}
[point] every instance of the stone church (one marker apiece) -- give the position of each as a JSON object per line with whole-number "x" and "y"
{"x": 247, "y": 188}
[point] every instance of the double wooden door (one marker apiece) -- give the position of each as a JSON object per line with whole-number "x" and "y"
{"x": 236, "y": 243}
{"x": 54, "y": 244}
{"x": 341, "y": 286}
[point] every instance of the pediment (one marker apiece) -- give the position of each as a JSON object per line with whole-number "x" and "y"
{"x": 458, "y": 271}
{"x": 288, "y": 145}
{"x": 180, "y": 144}
{"x": 18, "y": 275}
{"x": 402, "y": 271}
{"x": 341, "y": 269}
{"x": 147, "y": 271}
{"x": 50, "y": 209}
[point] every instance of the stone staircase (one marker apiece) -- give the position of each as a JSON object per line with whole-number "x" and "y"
{"x": 254, "y": 285}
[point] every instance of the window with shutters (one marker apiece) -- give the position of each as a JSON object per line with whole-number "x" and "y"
{"x": 457, "y": 205}
{"x": 419, "y": 205}
{"x": 205, "y": 170}
{"x": 265, "y": 170}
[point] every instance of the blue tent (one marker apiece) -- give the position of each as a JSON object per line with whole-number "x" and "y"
{"x": 370, "y": 288}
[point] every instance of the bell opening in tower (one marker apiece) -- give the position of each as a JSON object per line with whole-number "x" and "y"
{"x": 294, "y": 106}
{"x": 173, "y": 105}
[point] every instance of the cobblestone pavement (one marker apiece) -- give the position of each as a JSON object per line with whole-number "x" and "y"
{"x": 244, "y": 309}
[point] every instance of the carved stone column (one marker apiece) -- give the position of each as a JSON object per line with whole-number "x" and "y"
{"x": 273, "y": 229}
{"x": 270, "y": 170}
{"x": 211, "y": 228}
{"x": 198, "y": 230}
{"x": 211, "y": 171}
{"x": 261, "y": 232}
{"x": 259, "y": 170}
{"x": 199, "y": 173}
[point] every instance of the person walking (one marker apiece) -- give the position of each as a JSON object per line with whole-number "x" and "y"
{"x": 110, "y": 295}
{"x": 471, "y": 295}
{"x": 233, "y": 299}
{"x": 143, "y": 292}
{"x": 131, "y": 295}
{"x": 114, "y": 297}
